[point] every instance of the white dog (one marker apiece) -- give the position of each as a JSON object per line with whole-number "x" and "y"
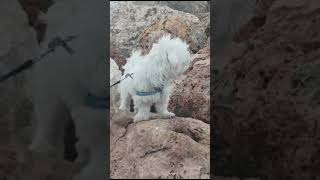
{"x": 151, "y": 77}
{"x": 74, "y": 86}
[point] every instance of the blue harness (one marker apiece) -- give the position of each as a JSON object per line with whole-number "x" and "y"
{"x": 143, "y": 93}
{"x": 96, "y": 102}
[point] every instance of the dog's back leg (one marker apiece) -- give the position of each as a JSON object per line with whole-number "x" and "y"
{"x": 162, "y": 105}
{"x": 143, "y": 109}
{"x": 49, "y": 126}
{"x": 125, "y": 99}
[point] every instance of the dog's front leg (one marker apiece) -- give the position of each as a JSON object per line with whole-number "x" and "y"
{"x": 49, "y": 129}
{"x": 125, "y": 99}
{"x": 143, "y": 110}
{"x": 162, "y": 105}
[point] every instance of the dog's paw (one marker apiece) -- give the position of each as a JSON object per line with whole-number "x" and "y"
{"x": 140, "y": 118}
{"x": 135, "y": 110}
{"x": 167, "y": 114}
{"x": 124, "y": 108}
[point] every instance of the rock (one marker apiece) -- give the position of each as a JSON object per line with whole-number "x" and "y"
{"x": 124, "y": 32}
{"x": 229, "y": 17}
{"x": 8, "y": 162}
{"x": 33, "y": 10}
{"x": 118, "y": 58}
{"x": 197, "y": 8}
{"x": 37, "y": 166}
{"x": 166, "y": 148}
{"x": 162, "y": 148}
{"x": 191, "y": 93}
{"x": 115, "y": 75}
{"x": 43, "y": 167}
{"x": 186, "y": 28}
{"x": 266, "y": 105}
{"x": 225, "y": 178}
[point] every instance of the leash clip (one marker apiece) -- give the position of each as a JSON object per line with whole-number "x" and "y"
{"x": 58, "y": 41}
{"x": 129, "y": 75}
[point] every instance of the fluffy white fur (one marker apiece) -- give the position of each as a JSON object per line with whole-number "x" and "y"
{"x": 166, "y": 61}
{"x": 61, "y": 82}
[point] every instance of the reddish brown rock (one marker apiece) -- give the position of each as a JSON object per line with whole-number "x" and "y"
{"x": 33, "y": 8}
{"x": 43, "y": 167}
{"x": 157, "y": 19}
{"x": 36, "y": 167}
{"x": 191, "y": 96}
{"x": 267, "y": 98}
{"x": 176, "y": 26}
{"x": 118, "y": 58}
{"x": 8, "y": 162}
{"x": 166, "y": 148}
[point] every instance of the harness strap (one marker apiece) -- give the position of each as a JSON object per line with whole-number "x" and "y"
{"x": 97, "y": 102}
{"x": 143, "y": 93}
{"x": 125, "y": 77}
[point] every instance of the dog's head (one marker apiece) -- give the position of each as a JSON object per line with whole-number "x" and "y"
{"x": 173, "y": 55}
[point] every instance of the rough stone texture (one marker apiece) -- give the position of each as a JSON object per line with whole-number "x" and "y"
{"x": 47, "y": 168}
{"x": 163, "y": 148}
{"x": 128, "y": 21}
{"x": 166, "y": 148}
{"x": 33, "y": 9}
{"x": 38, "y": 166}
{"x": 118, "y": 58}
{"x": 178, "y": 26}
{"x": 267, "y": 97}
{"x": 115, "y": 75}
{"x": 232, "y": 178}
{"x": 8, "y": 162}
{"x": 197, "y": 8}
{"x": 191, "y": 93}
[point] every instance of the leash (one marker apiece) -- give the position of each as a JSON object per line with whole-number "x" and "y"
{"x": 52, "y": 45}
{"x": 99, "y": 102}
{"x": 96, "y": 102}
{"x": 125, "y": 77}
{"x": 140, "y": 93}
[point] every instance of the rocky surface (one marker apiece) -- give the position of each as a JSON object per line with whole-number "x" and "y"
{"x": 267, "y": 96}
{"x": 115, "y": 75}
{"x": 34, "y": 9}
{"x": 161, "y": 148}
{"x": 191, "y": 93}
{"x": 8, "y": 162}
{"x": 124, "y": 32}
{"x": 177, "y": 26}
{"x": 198, "y": 8}
{"x": 118, "y": 58}
{"x": 164, "y": 148}
{"x": 37, "y": 166}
